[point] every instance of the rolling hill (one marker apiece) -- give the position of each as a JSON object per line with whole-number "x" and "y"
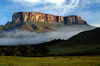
{"x": 84, "y": 43}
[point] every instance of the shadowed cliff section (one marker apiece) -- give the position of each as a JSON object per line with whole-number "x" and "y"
{"x": 73, "y": 19}
{"x": 40, "y": 17}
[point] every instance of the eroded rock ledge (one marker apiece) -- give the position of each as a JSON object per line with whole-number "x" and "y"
{"x": 40, "y": 17}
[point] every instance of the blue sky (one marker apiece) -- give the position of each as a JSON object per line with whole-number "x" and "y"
{"x": 88, "y": 10}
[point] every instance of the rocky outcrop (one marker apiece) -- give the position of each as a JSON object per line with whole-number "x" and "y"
{"x": 40, "y": 17}
{"x": 73, "y": 19}
{"x": 34, "y": 17}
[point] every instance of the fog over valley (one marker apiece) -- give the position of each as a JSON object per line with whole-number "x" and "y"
{"x": 19, "y": 37}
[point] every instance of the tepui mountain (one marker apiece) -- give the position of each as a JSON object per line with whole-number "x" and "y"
{"x": 40, "y": 17}
{"x": 39, "y": 22}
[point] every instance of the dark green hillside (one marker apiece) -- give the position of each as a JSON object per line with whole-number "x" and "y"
{"x": 85, "y": 43}
{"x": 91, "y": 36}
{"x": 27, "y": 50}
{"x": 29, "y": 26}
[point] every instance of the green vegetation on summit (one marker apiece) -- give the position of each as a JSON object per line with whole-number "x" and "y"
{"x": 29, "y": 26}
{"x": 1, "y": 28}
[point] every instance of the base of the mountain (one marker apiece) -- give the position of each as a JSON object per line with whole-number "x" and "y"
{"x": 85, "y": 43}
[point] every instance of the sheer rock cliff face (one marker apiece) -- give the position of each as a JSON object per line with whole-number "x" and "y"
{"x": 69, "y": 20}
{"x": 40, "y": 17}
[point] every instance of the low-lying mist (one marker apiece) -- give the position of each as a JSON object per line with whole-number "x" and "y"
{"x": 19, "y": 37}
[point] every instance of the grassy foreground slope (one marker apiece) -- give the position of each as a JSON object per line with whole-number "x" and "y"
{"x": 50, "y": 61}
{"x": 85, "y": 43}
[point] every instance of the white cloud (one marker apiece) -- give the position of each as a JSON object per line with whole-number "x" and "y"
{"x": 5, "y": 18}
{"x": 97, "y": 22}
{"x": 55, "y": 7}
{"x": 97, "y": 1}
{"x": 89, "y": 1}
{"x": 41, "y": 1}
{"x": 64, "y": 32}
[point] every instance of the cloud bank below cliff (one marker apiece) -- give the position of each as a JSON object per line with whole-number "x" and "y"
{"x": 64, "y": 32}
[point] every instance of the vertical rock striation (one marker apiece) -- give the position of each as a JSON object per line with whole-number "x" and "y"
{"x": 69, "y": 20}
{"x": 40, "y": 17}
